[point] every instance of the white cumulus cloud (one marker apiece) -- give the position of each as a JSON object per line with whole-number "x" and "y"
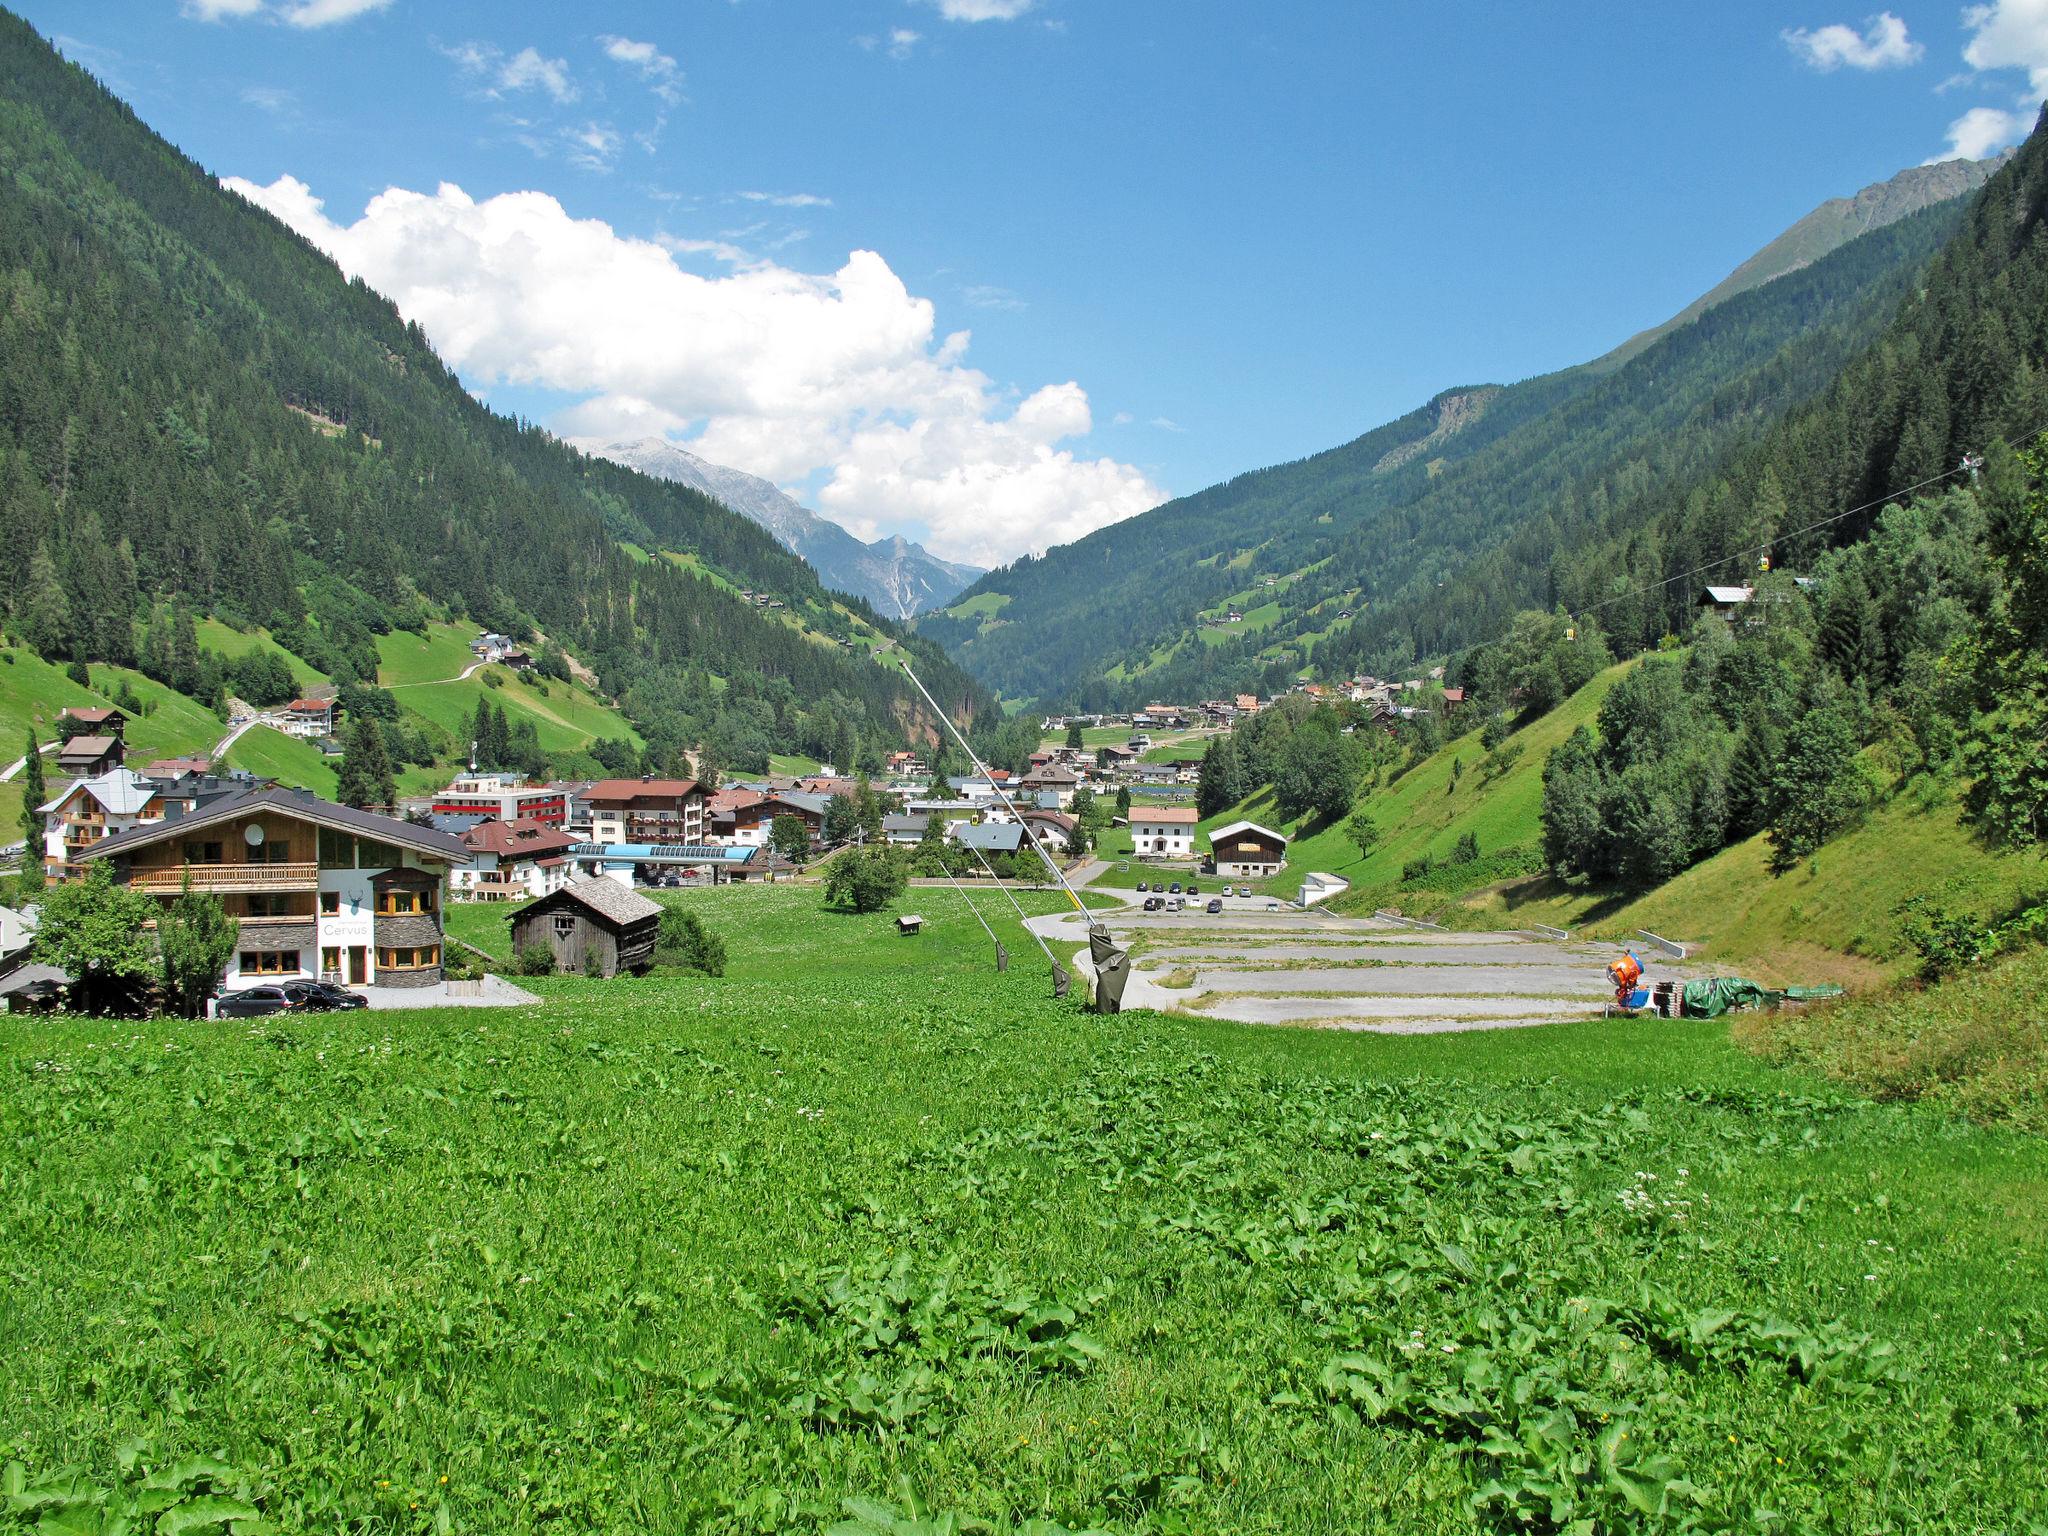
{"x": 1984, "y": 131}
{"x": 299, "y": 13}
{"x": 980, "y": 10}
{"x": 838, "y": 378}
{"x": 2010, "y": 34}
{"x": 1882, "y": 44}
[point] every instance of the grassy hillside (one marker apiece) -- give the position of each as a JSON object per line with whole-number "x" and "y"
{"x": 566, "y": 716}
{"x": 34, "y": 692}
{"x": 1974, "y": 1043}
{"x": 424, "y": 672}
{"x": 216, "y": 636}
{"x": 1424, "y": 811}
{"x": 273, "y": 755}
{"x": 1834, "y": 917}
{"x": 406, "y": 659}
{"x": 874, "y": 1223}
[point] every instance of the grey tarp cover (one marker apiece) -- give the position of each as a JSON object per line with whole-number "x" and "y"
{"x": 1713, "y": 996}
{"x": 1112, "y": 969}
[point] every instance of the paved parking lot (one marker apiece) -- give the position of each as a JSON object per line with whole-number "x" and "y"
{"x": 1287, "y": 966}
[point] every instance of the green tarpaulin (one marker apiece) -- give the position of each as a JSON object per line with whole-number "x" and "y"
{"x": 1716, "y": 995}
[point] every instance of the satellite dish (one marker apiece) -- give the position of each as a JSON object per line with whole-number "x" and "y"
{"x": 253, "y": 835}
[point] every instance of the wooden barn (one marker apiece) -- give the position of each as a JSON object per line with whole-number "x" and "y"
{"x": 595, "y": 916}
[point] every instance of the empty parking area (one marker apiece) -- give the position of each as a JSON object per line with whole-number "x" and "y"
{"x": 1263, "y": 966}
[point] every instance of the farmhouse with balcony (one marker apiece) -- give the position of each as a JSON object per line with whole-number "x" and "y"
{"x": 596, "y": 917}
{"x": 1060, "y": 781}
{"x": 310, "y": 719}
{"x": 87, "y": 810}
{"x": 319, "y": 890}
{"x": 753, "y": 816}
{"x": 94, "y": 720}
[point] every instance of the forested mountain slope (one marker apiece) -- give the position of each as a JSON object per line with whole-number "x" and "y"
{"x": 194, "y": 402}
{"x": 1360, "y": 542}
{"x": 893, "y": 575}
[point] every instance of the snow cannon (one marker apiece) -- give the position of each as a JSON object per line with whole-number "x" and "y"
{"x": 1625, "y": 971}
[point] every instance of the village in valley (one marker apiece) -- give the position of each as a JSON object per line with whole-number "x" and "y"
{"x": 351, "y": 897}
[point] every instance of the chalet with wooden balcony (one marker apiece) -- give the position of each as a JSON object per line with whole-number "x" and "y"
{"x": 319, "y": 890}
{"x": 647, "y": 810}
{"x": 87, "y": 810}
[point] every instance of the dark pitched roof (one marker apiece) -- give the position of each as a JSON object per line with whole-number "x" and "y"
{"x": 87, "y": 747}
{"x": 601, "y": 894}
{"x": 287, "y": 802}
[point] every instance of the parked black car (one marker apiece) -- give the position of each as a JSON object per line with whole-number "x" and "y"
{"x": 1194, "y": 889}
{"x": 1174, "y": 888}
{"x": 1142, "y": 886}
{"x": 258, "y": 1002}
{"x": 319, "y": 996}
{"x": 1153, "y": 903}
{"x": 1215, "y": 904}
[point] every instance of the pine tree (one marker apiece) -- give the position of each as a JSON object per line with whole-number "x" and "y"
{"x": 480, "y": 734}
{"x": 1850, "y": 637}
{"x": 45, "y": 610}
{"x": 366, "y": 778}
{"x": 33, "y": 793}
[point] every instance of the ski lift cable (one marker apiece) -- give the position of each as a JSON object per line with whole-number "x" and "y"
{"x": 1002, "y": 794}
{"x": 1971, "y": 464}
{"x": 961, "y": 891}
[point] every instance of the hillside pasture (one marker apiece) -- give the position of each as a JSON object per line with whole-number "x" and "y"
{"x": 232, "y": 643}
{"x": 270, "y": 754}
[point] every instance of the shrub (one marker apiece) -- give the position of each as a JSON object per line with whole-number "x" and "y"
{"x": 536, "y": 959}
{"x": 593, "y": 964}
{"x": 686, "y": 944}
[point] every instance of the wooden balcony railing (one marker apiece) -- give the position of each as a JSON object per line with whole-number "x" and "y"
{"x": 226, "y": 877}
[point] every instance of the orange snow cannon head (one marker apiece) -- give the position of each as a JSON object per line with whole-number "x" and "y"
{"x": 1625, "y": 972}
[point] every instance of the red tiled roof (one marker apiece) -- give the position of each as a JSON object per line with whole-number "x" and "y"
{"x": 521, "y": 837}
{"x": 1173, "y": 815}
{"x": 310, "y": 706}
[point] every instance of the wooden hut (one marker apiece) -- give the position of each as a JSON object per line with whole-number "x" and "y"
{"x": 596, "y": 916}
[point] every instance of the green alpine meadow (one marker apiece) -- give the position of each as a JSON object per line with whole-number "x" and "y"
{"x": 866, "y": 1237}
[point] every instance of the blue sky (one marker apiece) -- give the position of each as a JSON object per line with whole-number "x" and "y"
{"x": 1188, "y": 239}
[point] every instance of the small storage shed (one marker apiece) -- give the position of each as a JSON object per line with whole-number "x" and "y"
{"x": 594, "y": 916}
